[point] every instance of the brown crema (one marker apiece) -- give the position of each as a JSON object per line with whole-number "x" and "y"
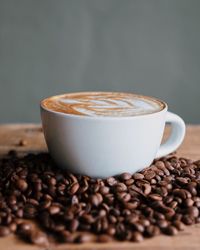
{"x": 111, "y": 104}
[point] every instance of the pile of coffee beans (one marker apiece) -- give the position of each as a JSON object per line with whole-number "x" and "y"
{"x": 39, "y": 201}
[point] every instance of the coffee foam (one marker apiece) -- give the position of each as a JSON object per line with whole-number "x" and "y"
{"x": 112, "y": 104}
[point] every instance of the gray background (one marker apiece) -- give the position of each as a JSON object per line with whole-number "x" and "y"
{"x": 54, "y": 46}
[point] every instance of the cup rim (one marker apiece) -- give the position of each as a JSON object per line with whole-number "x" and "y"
{"x": 165, "y": 108}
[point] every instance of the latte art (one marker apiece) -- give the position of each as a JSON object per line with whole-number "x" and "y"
{"x": 110, "y": 104}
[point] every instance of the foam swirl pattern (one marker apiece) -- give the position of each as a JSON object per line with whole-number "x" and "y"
{"x": 111, "y": 104}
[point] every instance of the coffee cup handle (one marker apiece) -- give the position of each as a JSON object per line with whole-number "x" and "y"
{"x": 176, "y": 137}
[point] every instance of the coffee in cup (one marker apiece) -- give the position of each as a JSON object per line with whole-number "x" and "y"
{"x": 112, "y": 104}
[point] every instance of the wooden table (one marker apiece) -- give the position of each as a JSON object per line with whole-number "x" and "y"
{"x": 10, "y": 136}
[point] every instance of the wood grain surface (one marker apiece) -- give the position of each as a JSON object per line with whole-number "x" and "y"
{"x": 10, "y": 136}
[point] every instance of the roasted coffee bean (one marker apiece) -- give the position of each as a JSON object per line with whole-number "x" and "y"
{"x": 146, "y": 189}
{"x": 104, "y": 190}
{"x": 104, "y": 238}
{"x": 123, "y": 196}
{"x": 54, "y": 209}
{"x": 191, "y": 187}
{"x": 149, "y": 174}
{"x": 120, "y": 187}
{"x": 153, "y": 181}
{"x": 152, "y": 230}
{"x": 88, "y": 218}
{"x": 159, "y": 216}
{"x": 96, "y": 199}
{"x": 162, "y": 198}
{"x": 155, "y": 197}
{"x": 179, "y": 225}
{"x": 138, "y": 226}
{"x": 73, "y": 178}
{"x": 162, "y": 191}
{"x": 137, "y": 237}
{"x": 131, "y": 204}
{"x": 4, "y": 231}
{"x": 182, "y": 193}
{"x": 74, "y": 188}
{"x": 100, "y": 197}
{"x": 125, "y": 176}
{"x": 24, "y": 228}
{"x": 102, "y": 213}
{"x": 66, "y": 236}
{"x": 144, "y": 222}
{"x": 158, "y": 178}
{"x": 38, "y": 238}
{"x": 188, "y": 220}
{"x": 197, "y": 204}
{"x": 162, "y": 223}
{"x": 173, "y": 204}
{"x": 168, "y": 199}
{"x": 19, "y": 213}
{"x": 85, "y": 237}
{"x": 193, "y": 212}
{"x": 129, "y": 182}
{"x": 33, "y": 202}
{"x": 138, "y": 176}
{"x": 112, "y": 219}
{"x": 111, "y": 230}
{"x": 181, "y": 180}
{"x": 22, "y": 143}
{"x": 169, "y": 166}
{"x": 160, "y": 164}
{"x": 21, "y": 184}
{"x": 188, "y": 202}
{"x": 111, "y": 181}
{"x": 171, "y": 230}
{"x": 13, "y": 227}
{"x": 166, "y": 171}
{"x": 58, "y": 227}
{"x": 134, "y": 190}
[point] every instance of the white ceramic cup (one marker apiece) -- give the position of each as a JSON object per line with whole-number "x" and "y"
{"x": 106, "y": 146}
